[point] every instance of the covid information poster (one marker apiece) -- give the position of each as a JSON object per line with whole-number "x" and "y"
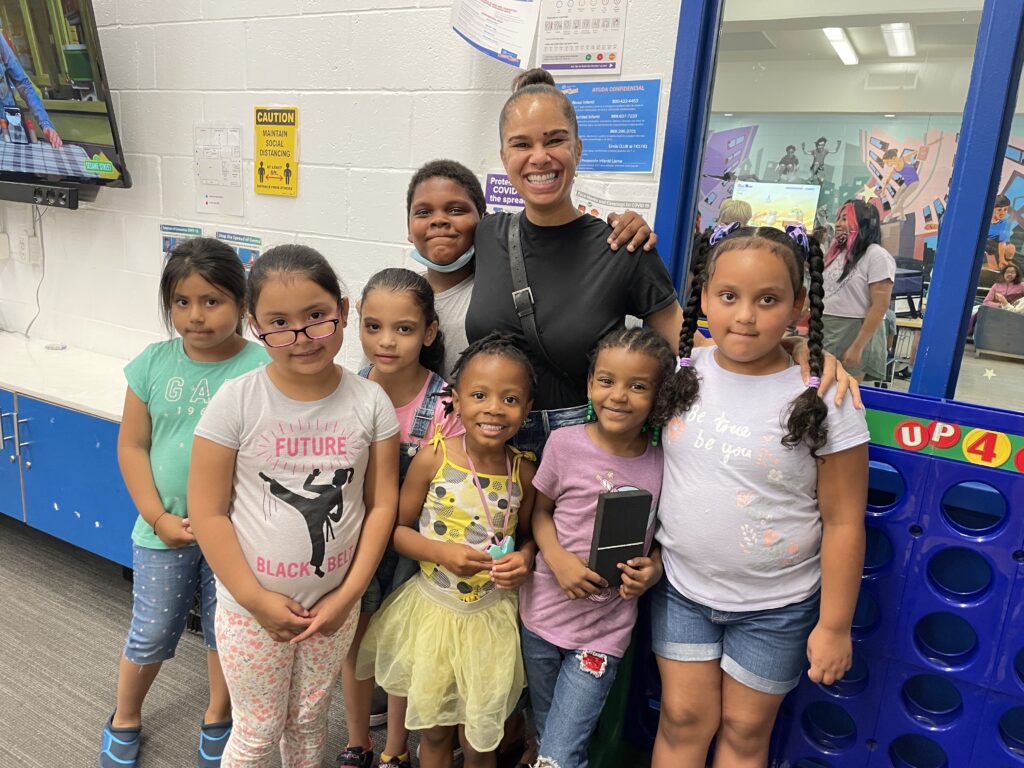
{"x": 502, "y": 29}
{"x": 618, "y": 124}
{"x": 276, "y": 162}
{"x": 581, "y": 37}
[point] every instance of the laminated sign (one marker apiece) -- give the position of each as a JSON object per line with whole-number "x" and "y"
{"x": 276, "y": 163}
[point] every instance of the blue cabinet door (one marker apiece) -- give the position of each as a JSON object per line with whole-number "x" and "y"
{"x": 11, "y": 501}
{"x": 73, "y": 486}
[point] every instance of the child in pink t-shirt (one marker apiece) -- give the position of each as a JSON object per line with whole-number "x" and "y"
{"x": 398, "y": 329}
{"x": 575, "y": 628}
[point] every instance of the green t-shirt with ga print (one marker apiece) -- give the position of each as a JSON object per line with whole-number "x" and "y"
{"x": 176, "y": 390}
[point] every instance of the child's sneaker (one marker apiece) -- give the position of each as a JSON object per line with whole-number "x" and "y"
{"x": 120, "y": 747}
{"x": 355, "y": 757}
{"x": 212, "y": 740}
{"x": 395, "y": 762}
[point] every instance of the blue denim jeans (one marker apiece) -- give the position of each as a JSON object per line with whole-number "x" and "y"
{"x": 568, "y": 689}
{"x": 165, "y": 583}
{"x": 540, "y": 424}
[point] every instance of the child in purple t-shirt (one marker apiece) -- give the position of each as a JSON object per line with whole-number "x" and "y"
{"x": 575, "y": 628}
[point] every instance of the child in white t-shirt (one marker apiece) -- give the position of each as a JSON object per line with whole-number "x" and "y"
{"x": 293, "y": 496}
{"x": 761, "y": 519}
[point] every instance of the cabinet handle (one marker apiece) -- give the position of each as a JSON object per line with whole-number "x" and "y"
{"x": 18, "y": 445}
{"x": 3, "y": 438}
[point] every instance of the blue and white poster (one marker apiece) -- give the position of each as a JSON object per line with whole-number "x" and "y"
{"x": 618, "y": 124}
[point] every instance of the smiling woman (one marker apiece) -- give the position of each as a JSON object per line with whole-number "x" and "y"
{"x": 578, "y": 289}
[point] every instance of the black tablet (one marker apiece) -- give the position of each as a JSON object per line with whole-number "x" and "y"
{"x": 620, "y": 532}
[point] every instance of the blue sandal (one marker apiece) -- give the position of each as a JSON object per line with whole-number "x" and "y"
{"x": 212, "y": 740}
{"x": 120, "y": 748}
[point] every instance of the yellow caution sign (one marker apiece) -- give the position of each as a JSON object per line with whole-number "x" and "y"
{"x": 276, "y": 163}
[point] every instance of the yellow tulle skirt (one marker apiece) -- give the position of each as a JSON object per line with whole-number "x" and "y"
{"x": 456, "y": 663}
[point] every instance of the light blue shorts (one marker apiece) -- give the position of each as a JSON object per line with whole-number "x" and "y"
{"x": 764, "y": 650}
{"x": 165, "y": 585}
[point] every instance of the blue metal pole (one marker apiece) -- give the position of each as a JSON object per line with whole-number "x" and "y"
{"x": 688, "y": 109}
{"x": 991, "y": 99}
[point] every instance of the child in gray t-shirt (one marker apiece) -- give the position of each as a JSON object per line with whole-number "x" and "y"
{"x": 762, "y": 505}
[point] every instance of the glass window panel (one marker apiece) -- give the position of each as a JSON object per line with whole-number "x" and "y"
{"x": 798, "y": 132}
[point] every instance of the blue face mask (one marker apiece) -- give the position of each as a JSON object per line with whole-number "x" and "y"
{"x": 455, "y": 266}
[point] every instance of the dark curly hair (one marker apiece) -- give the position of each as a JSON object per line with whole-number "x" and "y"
{"x": 398, "y": 280}
{"x": 806, "y": 421}
{"x": 454, "y": 172}
{"x": 494, "y": 343}
{"x": 647, "y": 341}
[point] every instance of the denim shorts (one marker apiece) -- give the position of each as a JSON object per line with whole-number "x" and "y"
{"x": 165, "y": 585}
{"x": 540, "y": 424}
{"x": 764, "y": 650}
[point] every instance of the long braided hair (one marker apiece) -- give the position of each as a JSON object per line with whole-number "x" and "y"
{"x": 806, "y": 422}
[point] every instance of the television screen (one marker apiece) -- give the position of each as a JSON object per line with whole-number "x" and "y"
{"x": 776, "y": 204}
{"x": 56, "y": 120}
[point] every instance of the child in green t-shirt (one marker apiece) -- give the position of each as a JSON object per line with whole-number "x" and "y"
{"x": 202, "y": 291}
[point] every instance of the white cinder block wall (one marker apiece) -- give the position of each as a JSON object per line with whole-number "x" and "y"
{"x": 381, "y": 86}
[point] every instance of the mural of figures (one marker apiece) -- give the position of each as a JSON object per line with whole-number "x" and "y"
{"x": 910, "y": 177}
{"x": 786, "y": 167}
{"x": 819, "y": 155}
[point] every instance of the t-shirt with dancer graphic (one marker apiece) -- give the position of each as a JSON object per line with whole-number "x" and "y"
{"x": 297, "y": 505}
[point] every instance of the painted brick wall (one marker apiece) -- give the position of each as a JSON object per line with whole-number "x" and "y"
{"x": 381, "y": 86}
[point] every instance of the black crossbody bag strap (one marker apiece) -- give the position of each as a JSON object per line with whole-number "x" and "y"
{"x": 522, "y": 296}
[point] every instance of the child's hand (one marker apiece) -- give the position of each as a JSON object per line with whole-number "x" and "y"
{"x": 638, "y": 575}
{"x": 328, "y": 616}
{"x": 463, "y": 560}
{"x": 282, "y": 617}
{"x": 630, "y": 228}
{"x": 174, "y": 531}
{"x": 511, "y": 570}
{"x": 574, "y": 577}
{"x": 830, "y": 654}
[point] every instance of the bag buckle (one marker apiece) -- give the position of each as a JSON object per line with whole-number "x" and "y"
{"x": 527, "y": 301}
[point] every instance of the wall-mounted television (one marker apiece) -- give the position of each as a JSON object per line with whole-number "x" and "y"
{"x": 778, "y": 204}
{"x": 56, "y": 120}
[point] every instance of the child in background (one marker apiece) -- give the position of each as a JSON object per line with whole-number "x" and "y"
{"x": 448, "y": 639}
{"x": 202, "y": 291}
{"x": 293, "y": 498}
{"x": 400, "y": 338}
{"x": 762, "y": 514}
{"x": 444, "y": 203}
{"x": 576, "y": 629}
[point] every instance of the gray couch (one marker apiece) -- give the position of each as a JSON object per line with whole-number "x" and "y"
{"x": 999, "y": 332}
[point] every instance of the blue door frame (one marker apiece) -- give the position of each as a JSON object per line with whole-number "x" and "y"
{"x": 988, "y": 112}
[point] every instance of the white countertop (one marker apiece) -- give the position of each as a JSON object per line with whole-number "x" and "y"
{"x": 74, "y": 378}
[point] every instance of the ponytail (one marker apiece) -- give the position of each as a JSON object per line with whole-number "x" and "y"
{"x": 685, "y": 384}
{"x": 808, "y": 414}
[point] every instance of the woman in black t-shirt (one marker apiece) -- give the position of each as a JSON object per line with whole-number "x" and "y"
{"x": 581, "y": 288}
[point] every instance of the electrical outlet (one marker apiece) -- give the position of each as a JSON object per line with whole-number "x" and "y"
{"x": 35, "y": 250}
{"x": 20, "y": 248}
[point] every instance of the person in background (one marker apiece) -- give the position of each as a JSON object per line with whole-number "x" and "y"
{"x": 859, "y": 275}
{"x": 202, "y": 291}
{"x": 399, "y": 335}
{"x": 999, "y": 251}
{"x": 734, "y": 210}
{"x": 1003, "y": 294}
{"x": 15, "y": 79}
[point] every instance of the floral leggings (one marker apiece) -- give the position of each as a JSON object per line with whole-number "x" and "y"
{"x": 280, "y": 693}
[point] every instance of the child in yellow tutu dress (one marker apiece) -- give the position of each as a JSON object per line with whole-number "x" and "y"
{"x": 448, "y": 639}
